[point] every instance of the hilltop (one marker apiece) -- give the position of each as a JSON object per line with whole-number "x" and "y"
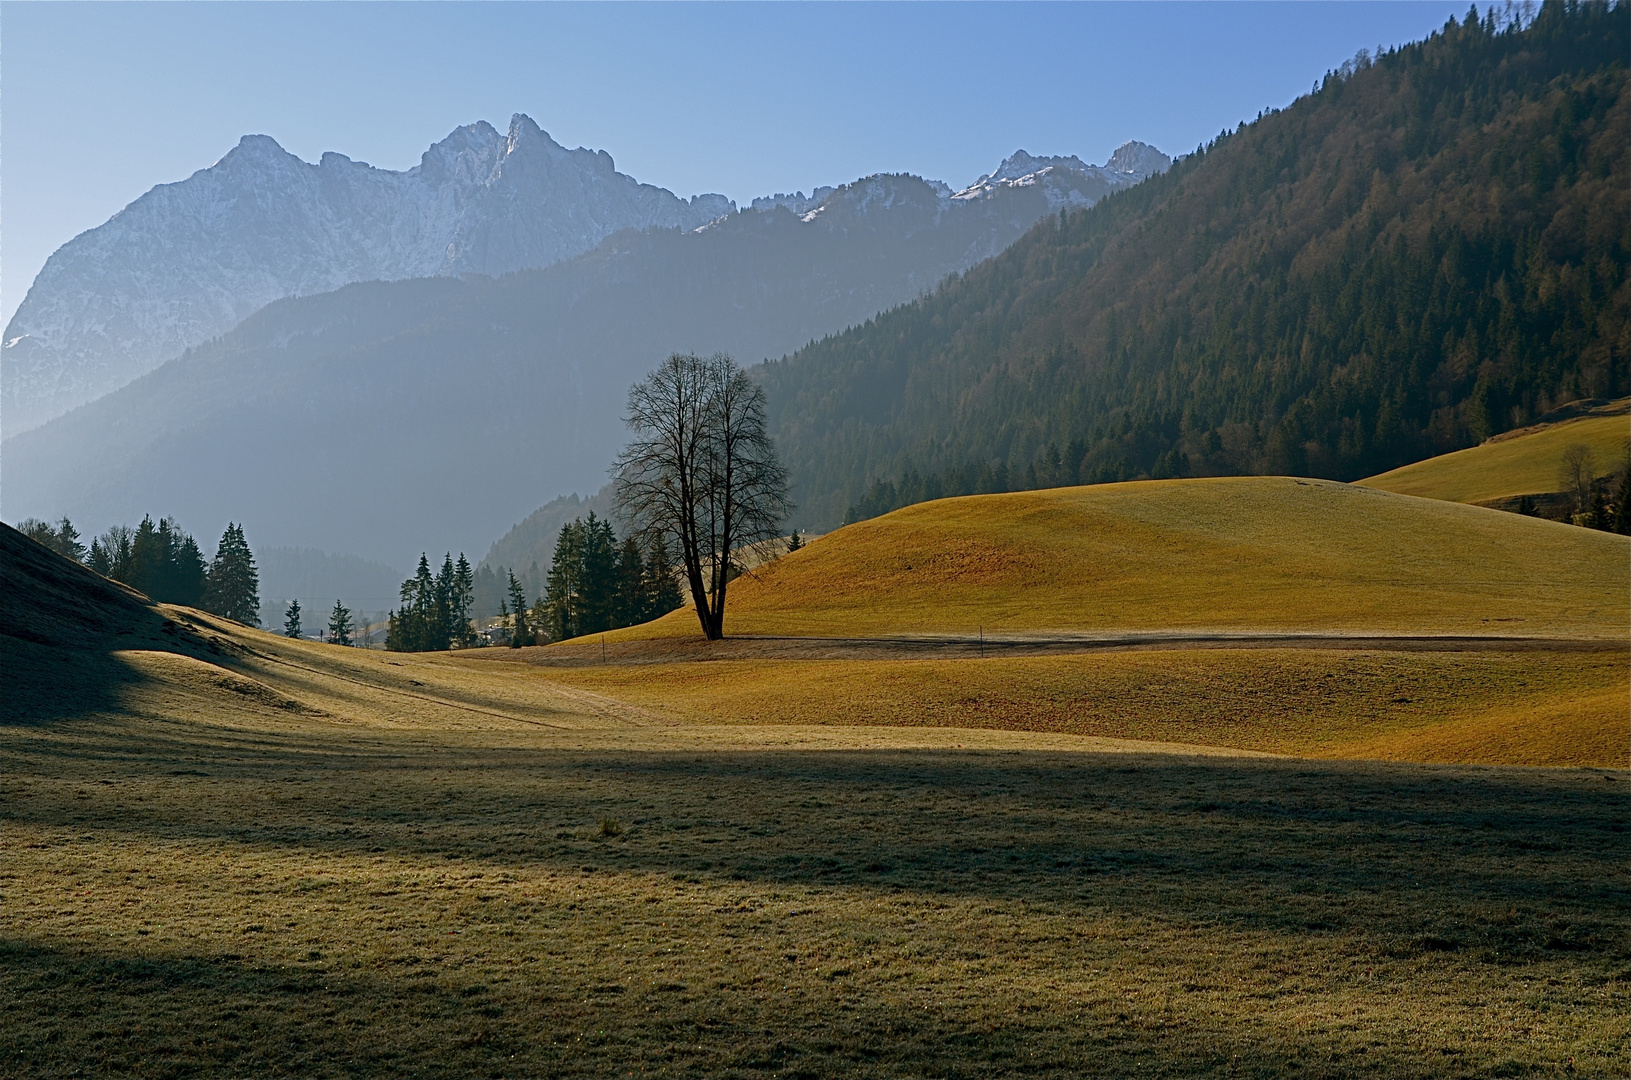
{"x": 1206, "y": 556}
{"x": 1505, "y": 467}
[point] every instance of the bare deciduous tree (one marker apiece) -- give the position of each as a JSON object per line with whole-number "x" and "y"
{"x": 1577, "y": 472}
{"x": 701, "y": 476}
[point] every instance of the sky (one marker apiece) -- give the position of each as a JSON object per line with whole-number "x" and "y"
{"x": 100, "y": 102}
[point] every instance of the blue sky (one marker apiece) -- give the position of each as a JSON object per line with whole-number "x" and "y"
{"x": 99, "y": 102}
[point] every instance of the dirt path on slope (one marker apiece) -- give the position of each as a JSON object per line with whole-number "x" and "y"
{"x": 591, "y": 652}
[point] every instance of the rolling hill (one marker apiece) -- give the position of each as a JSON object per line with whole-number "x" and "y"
{"x": 1222, "y": 555}
{"x": 230, "y": 853}
{"x": 1433, "y": 247}
{"x": 1505, "y": 467}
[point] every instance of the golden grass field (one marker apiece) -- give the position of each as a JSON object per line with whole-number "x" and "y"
{"x": 1505, "y": 468}
{"x": 1225, "y": 554}
{"x": 231, "y": 854}
{"x": 1530, "y": 708}
{"x": 305, "y": 860}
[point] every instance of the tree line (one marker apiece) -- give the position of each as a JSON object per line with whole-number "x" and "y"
{"x": 700, "y": 478}
{"x": 597, "y": 583}
{"x": 163, "y": 562}
{"x": 435, "y": 609}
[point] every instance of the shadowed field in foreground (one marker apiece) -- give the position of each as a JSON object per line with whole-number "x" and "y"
{"x": 276, "y": 893}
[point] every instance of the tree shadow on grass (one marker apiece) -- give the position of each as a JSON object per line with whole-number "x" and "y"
{"x": 72, "y": 1012}
{"x": 1507, "y": 862}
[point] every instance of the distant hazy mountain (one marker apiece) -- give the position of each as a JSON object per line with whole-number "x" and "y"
{"x": 388, "y": 418}
{"x": 188, "y": 261}
{"x": 317, "y": 579}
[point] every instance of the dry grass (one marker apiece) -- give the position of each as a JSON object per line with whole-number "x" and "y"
{"x": 1534, "y": 708}
{"x": 1229, "y": 554}
{"x": 1506, "y": 468}
{"x": 325, "y": 862}
{"x": 231, "y": 854}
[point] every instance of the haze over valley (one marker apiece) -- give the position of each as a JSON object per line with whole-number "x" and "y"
{"x": 355, "y": 414}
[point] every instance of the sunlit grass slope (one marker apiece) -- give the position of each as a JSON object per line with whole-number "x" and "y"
{"x": 1226, "y": 554}
{"x": 232, "y": 854}
{"x": 1519, "y": 708}
{"x": 1525, "y": 465}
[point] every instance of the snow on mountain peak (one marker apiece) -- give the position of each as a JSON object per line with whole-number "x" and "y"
{"x": 186, "y": 262}
{"x": 1019, "y": 165}
{"x": 1138, "y": 159}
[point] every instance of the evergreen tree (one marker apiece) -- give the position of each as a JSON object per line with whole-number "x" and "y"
{"x": 564, "y": 585}
{"x": 62, "y": 538}
{"x": 421, "y": 623}
{"x": 794, "y": 543}
{"x": 1601, "y": 516}
{"x": 188, "y": 573}
{"x": 538, "y": 620}
{"x": 339, "y": 625}
{"x": 147, "y": 558}
{"x": 1622, "y": 515}
{"x": 447, "y": 630}
{"x": 630, "y": 606}
{"x": 110, "y": 553}
{"x": 662, "y": 587}
{"x": 521, "y": 634}
{"x": 464, "y": 591}
{"x": 291, "y": 620}
{"x": 232, "y": 587}
{"x": 599, "y": 574}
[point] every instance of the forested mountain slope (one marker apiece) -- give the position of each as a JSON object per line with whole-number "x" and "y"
{"x": 1426, "y": 250}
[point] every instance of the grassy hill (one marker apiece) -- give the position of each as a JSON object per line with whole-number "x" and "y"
{"x": 1506, "y": 467}
{"x": 1228, "y": 554}
{"x": 230, "y": 853}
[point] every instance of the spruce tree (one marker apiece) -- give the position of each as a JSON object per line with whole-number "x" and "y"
{"x": 631, "y": 607}
{"x": 339, "y": 625}
{"x": 62, "y": 539}
{"x": 66, "y": 542}
{"x": 464, "y": 591}
{"x": 291, "y": 620}
{"x": 147, "y": 559}
{"x": 522, "y": 633}
{"x": 662, "y": 587}
{"x": 564, "y": 585}
{"x": 446, "y": 604}
{"x": 232, "y": 589}
{"x": 187, "y": 572}
{"x": 1622, "y": 513}
{"x": 599, "y": 574}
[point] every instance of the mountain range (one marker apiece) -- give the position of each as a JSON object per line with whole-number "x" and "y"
{"x": 439, "y": 410}
{"x": 188, "y": 261}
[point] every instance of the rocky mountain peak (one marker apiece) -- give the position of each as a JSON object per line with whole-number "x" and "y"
{"x": 187, "y": 261}
{"x": 1139, "y": 160}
